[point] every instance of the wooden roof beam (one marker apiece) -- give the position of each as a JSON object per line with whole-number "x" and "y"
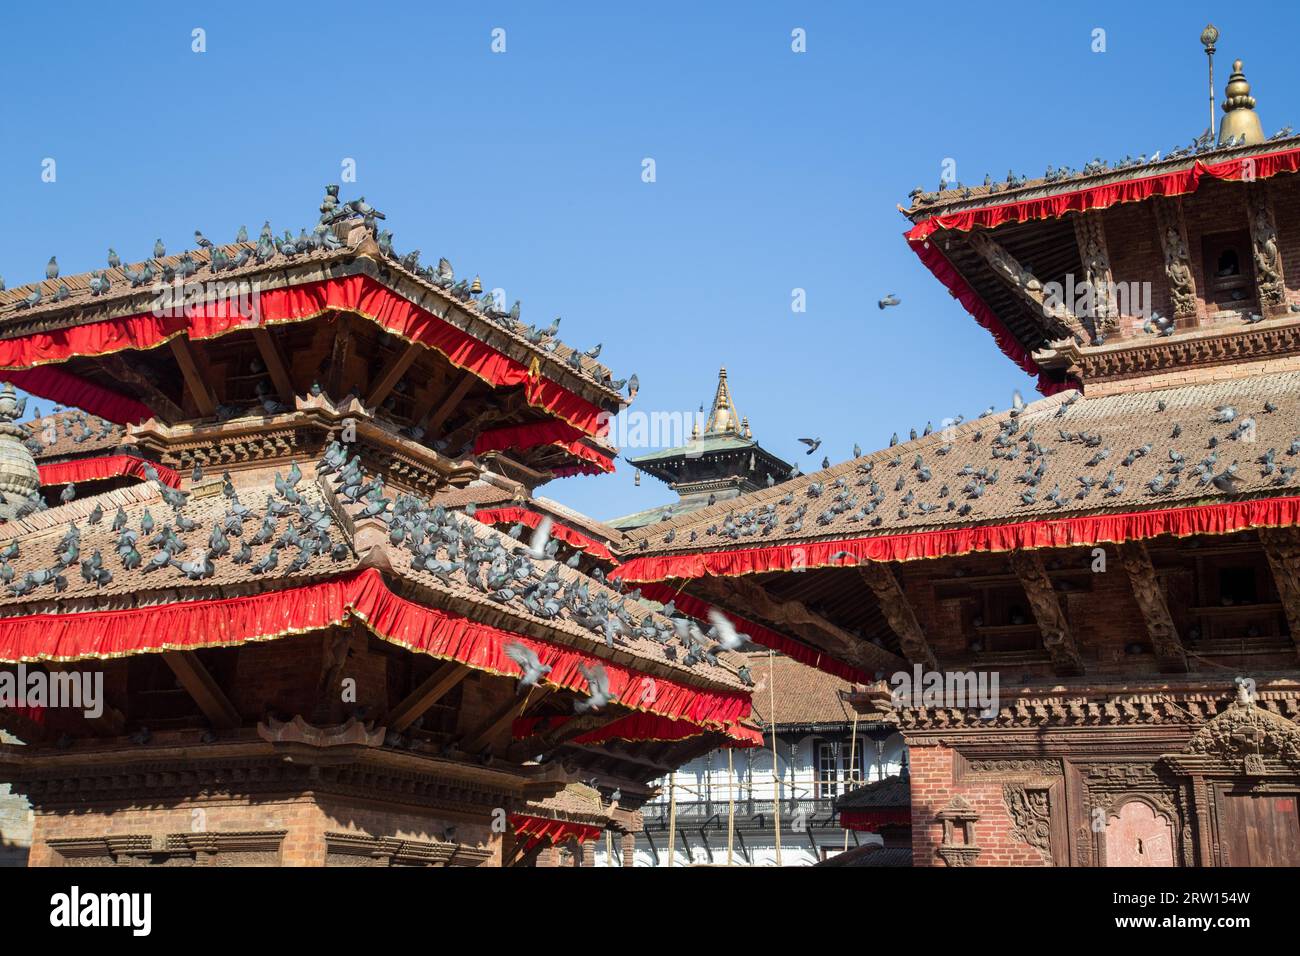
{"x": 1027, "y": 287}
{"x": 392, "y": 374}
{"x": 898, "y": 611}
{"x": 117, "y": 367}
{"x": 1150, "y": 599}
{"x": 194, "y": 677}
{"x": 198, "y": 387}
{"x": 435, "y": 418}
{"x": 502, "y": 717}
{"x": 1052, "y": 623}
{"x": 810, "y": 626}
{"x": 430, "y": 691}
{"x": 274, "y": 362}
{"x": 548, "y": 742}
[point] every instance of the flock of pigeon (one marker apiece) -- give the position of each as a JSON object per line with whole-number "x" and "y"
{"x": 1049, "y": 464}
{"x": 1202, "y": 144}
{"x": 220, "y": 259}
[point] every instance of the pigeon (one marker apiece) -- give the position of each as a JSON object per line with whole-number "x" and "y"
{"x": 728, "y": 638}
{"x": 159, "y": 250}
{"x": 533, "y": 669}
{"x": 888, "y": 301}
{"x": 812, "y": 443}
{"x": 52, "y": 268}
{"x": 597, "y": 687}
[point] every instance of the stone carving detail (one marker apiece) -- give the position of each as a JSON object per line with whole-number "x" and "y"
{"x": 1178, "y": 269}
{"x": 1263, "y": 238}
{"x": 1031, "y": 817}
{"x": 1091, "y": 236}
{"x": 1057, "y": 637}
{"x": 1248, "y": 735}
{"x": 1066, "y": 324}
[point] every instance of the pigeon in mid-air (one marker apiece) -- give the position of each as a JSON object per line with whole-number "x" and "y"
{"x": 812, "y": 443}
{"x": 541, "y": 537}
{"x": 533, "y": 669}
{"x": 597, "y": 687}
{"x": 888, "y": 300}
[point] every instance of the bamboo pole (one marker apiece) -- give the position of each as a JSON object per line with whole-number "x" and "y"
{"x": 731, "y": 807}
{"x": 672, "y": 816}
{"x": 853, "y": 746}
{"x": 776, "y": 774}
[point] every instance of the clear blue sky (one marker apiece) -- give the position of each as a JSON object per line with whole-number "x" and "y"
{"x": 775, "y": 170}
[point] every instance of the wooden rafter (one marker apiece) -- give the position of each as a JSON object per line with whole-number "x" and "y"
{"x": 1150, "y": 599}
{"x": 898, "y": 611}
{"x": 339, "y": 358}
{"x": 194, "y": 677}
{"x": 807, "y": 625}
{"x": 274, "y": 362}
{"x": 198, "y": 386}
{"x": 392, "y": 374}
{"x": 435, "y": 418}
{"x": 430, "y": 691}
{"x": 117, "y": 367}
{"x": 1027, "y": 286}
{"x": 515, "y": 707}
{"x": 1052, "y": 623}
{"x": 549, "y": 741}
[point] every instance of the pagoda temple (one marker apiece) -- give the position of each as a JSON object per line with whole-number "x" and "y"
{"x": 721, "y": 461}
{"x": 283, "y": 519}
{"x": 1121, "y": 555}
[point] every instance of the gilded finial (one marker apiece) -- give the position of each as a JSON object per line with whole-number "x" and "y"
{"x": 476, "y": 287}
{"x": 1241, "y": 125}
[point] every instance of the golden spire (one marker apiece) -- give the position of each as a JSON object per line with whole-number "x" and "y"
{"x": 1240, "y": 118}
{"x": 723, "y": 420}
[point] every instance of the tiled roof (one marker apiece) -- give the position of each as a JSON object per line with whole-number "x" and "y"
{"x": 872, "y": 854}
{"x": 803, "y": 695}
{"x": 1120, "y": 443}
{"x": 39, "y": 537}
{"x": 891, "y": 792}
{"x": 597, "y": 529}
{"x": 80, "y": 299}
{"x": 1001, "y": 191}
{"x": 75, "y": 434}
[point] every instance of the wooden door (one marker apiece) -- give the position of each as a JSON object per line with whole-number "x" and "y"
{"x": 1258, "y": 829}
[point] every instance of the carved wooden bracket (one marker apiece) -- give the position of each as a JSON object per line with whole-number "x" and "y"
{"x": 1091, "y": 237}
{"x": 899, "y": 613}
{"x": 1150, "y": 599}
{"x": 1057, "y": 637}
{"x": 1282, "y": 548}
{"x": 1178, "y": 261}
{"x": 1269, "y": 281}
{"x": 1027, "y": 286}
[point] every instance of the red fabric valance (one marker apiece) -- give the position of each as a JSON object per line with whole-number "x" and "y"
{"x": 190, "y": 625}
{"x": 640, "y": 727}
{"x": 517, "y": 515}
{"x": 1058, "y": 533}
{"x": 108, "y": 466}
{"x": 1178, "y": 183}
{"x": 61, "y": 386}
{"x": 533, "y": 830}
{"x": 535, "y": 434}
{"x": 358, "y": 294}
{"x": 870, "y": 821}
{"x": 796, "y": 650}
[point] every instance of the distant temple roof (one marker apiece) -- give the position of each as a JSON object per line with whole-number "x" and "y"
{"x": 721, "y": 461}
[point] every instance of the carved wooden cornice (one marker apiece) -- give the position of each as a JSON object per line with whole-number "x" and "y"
{"x": 1201, "y": 348}
{"x": 359, "y": 849}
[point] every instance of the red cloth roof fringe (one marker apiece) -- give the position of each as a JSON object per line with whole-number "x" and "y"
{"x": 1061, "y": 533}
{"x": 870, "y": 821}
{"x": 358, "y": 294}
{"x": 533, "y": 830}
{"x": 795, "y": 650}
{"x": 188, "y": 625}
{"x": 58, "y": 385}
{"x": 514, "y": 515}
{"x": 637, "y": 727}
{"x": 107, "y": 466}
